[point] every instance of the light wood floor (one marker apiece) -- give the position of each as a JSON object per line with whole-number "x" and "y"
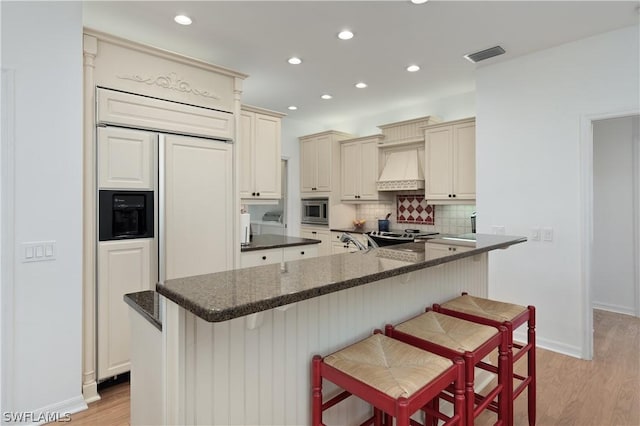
{"x": 602, "y": 392}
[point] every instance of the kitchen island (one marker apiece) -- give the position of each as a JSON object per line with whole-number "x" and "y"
{"x": 236, "y": 345}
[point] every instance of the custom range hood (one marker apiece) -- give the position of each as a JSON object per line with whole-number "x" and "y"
{"x": 402, "y": 154}
{"x": 401, "y": 172}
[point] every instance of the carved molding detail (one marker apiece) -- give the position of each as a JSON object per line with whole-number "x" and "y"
{"x": 169, "y": 81}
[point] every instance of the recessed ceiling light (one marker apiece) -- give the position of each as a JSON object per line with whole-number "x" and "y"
{"x": 413, "y": 68}
{"x": 326, "y": 96}
{"x": 292, "y": 108}
{"x": 418, "y": 1}
{"x": 361, "y": 85}
{"x": 345, "y": 35}
{"x": 182, "y": 19}
{"x": 295, "y": 61}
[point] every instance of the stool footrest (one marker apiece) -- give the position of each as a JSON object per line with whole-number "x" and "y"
{"x": 522, "y": 350}
{"x": 521, "y": 387}
{"x": 336, "y": 400}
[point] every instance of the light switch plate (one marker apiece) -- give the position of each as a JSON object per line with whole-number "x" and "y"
{"x": 547, "y": 234}
{"x": 38, "y": 251}
{"x": 535, "y": 234}
{"x": 498, "y": 229}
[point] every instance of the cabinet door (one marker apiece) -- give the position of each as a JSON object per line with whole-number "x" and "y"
{"x": 260, "y": 257}
{"x": 197, "y": 207}
{"x": 267, "y": 157}
{"x": 245, "y": 153}
{"x": 323, "y": 159}
{"x": 299, "y": 252}
{"x": 324, "y": 248}
{"x": 368, "y": 170}
{"x": 438, "y": 180}
{"x": 350, "y": 163}
{"x": 126, "y": 159}
{"x": 308, "y": 165}
{"x": 123, "y": 267}
{"x": 464, "y": 160}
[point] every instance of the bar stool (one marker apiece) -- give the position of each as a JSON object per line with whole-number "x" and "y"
{"x": 452, "y": 337}
{"x": 397, "y": 379}
{"x": 494, "y": 313}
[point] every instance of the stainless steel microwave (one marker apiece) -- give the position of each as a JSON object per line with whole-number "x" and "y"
{"x": 315, "y": 211}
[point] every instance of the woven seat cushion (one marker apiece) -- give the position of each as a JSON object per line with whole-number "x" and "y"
{"x": 485, "y": 308}
{"x": 447, "y": 331}
{"x": 388, "y": 365}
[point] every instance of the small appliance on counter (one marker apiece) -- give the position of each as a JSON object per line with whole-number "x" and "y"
{"x": 245, "y": 229}
{"x": 473, "y": 222}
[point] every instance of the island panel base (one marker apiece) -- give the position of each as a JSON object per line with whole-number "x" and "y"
{"x": 256, "y": 370}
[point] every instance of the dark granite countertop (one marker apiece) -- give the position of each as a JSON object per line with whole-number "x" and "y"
{"x": 269, "y": 241}
{"x": 362, "y": 230}
{"x": 147, "y": 303}
{"x": 230, "y": 294}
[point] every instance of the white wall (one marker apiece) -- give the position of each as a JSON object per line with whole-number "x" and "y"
{"x": 42, "y": 43}
{"x": 529, "y": 111}
{"x": 614, "y": 286}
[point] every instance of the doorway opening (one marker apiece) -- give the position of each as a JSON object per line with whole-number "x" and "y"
{"x": 611, "y": 217}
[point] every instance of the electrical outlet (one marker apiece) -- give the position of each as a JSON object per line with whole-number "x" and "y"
{"x": 547, "y": 234}
{"x": 498, "y": 229}
{"x": 535, "y": 234}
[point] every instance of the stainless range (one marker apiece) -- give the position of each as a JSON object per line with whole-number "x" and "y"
{"x": 384, "y": 238}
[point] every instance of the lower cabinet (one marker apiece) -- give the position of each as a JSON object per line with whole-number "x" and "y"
{"x": 123, "y": 267}
{"x": 317, "y": 233}
{"x": 339, "y": 247}
{"x": 434, "y": 251}
{"x": 277, "y": 255}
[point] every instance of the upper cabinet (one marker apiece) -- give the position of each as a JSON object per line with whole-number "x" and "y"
{"x": 319, "y": 162}
{"x": 359, "y": 167}
{"x": 125, "y": 159}
{"x": 259, "y": 148}
{"x": 450, "y": 161}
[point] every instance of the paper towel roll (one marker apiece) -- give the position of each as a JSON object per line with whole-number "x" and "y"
{"x": 245, "y": 224}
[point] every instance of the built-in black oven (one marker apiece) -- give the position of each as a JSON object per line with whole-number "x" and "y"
{"x": 125, "y": 214}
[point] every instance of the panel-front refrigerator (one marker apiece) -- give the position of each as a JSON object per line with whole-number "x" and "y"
{"x": 169, "y": 203}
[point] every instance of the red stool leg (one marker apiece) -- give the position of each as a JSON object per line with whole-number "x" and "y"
{"x": 531, "y": 370}
{"x": 459, "y": 400}
{"x": 316, "y": 400}
{"x": 504, "y": 398}
{"x": 469, "y": 392}
{"x": 402, "y": 412}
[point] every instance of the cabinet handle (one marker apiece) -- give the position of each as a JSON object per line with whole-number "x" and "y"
{"x": 313, "y": 232}
{"x": 302, "y": 253}
{"x": 264, "y": 257}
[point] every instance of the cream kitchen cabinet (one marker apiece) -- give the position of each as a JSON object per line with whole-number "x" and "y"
{"x": 436, "y": 250}
{"x": 324, "y": 248}
{"x": 259, "y": 149}
{"x": 126, "y": 158}
{"x": 359, "y": 168}
{"x": 319, "y": 162}
{"x": 277, "y": 255}
{"x": 123, "y": 267}
{"x": 450, "y": 161}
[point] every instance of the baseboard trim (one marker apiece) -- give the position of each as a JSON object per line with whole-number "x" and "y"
{"x": 58, "y": 411}
{"x": 552, "y": 345}
{"x": 90, "y": 392}
{"x": 625, "y": 310}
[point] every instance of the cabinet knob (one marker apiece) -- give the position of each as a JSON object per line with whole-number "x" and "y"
{"x": 313, "y": 232}
{"x": 302, "y": 253}
{"x": 253, "y": 194}
{"x": 264, "y": 257}
{"x": 449, "y": 195}
{"x": 258, "y": 194}
{"x": 454, "y": 195}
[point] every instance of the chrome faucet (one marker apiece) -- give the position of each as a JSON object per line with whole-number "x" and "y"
{"x": 348, "y": 238}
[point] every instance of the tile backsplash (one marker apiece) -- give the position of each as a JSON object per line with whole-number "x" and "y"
{"x": 447, "y": 219}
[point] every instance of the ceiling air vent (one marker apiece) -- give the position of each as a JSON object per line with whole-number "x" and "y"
{"x": 484, "y": 54}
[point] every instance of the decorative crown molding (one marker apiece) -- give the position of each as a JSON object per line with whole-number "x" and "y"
{"x": 169, "y": 81}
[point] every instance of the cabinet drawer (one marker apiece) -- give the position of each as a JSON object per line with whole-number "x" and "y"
{"x": 300, "y": 252}
{"x": 260, "y": 257}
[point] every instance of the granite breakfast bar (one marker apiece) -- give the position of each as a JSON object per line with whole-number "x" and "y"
{"x": 236, "y": 345}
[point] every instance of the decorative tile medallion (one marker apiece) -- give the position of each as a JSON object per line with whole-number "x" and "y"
{"x": 414, "y": 209}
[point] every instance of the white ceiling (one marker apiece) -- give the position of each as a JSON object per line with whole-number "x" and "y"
{"x": 258, "y": 37}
